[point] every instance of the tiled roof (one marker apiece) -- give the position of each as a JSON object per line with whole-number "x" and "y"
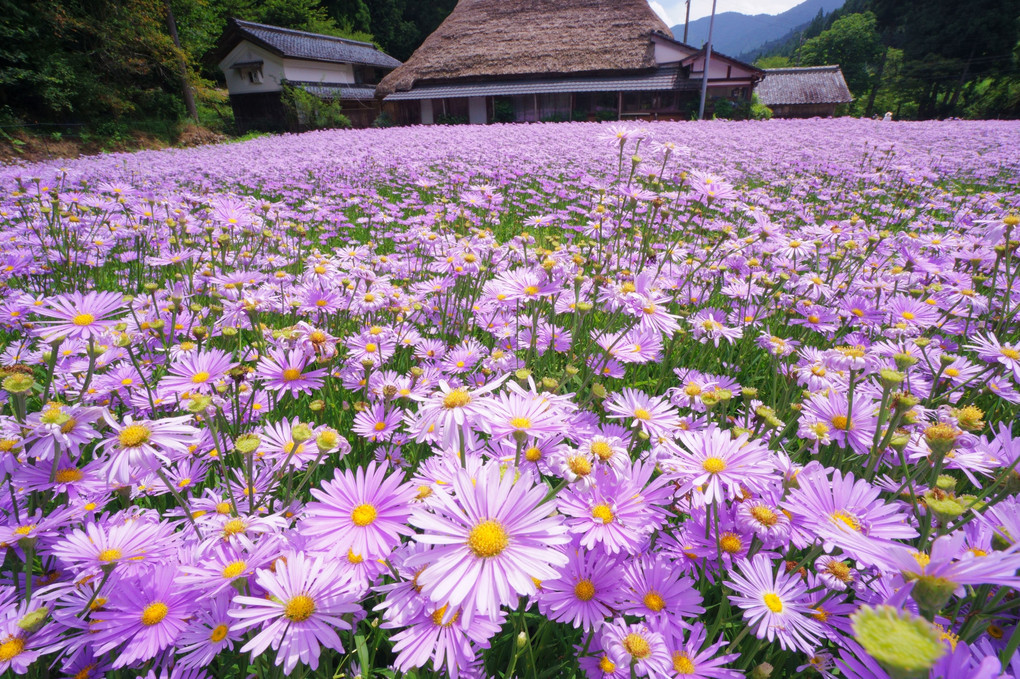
{"x": 331, "y": 91}
{"x": 668, "y": 78}
{"x": 805, "y": 85}
{"x": 312, "y": 46}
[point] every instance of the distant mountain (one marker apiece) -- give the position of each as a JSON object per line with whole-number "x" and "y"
{"x": 740, "y": 34}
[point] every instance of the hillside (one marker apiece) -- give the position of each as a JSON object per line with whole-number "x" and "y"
{"x": 737, "y": 34}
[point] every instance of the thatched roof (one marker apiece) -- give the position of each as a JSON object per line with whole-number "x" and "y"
{"x": 499, "y": 39}
{"x": 803, "y": 85}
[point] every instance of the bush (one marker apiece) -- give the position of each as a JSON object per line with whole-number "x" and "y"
{"x": 503, "y": 112}
{"x": 450, "y": 119}
{"x": 307, "y": 111}
{"x": 384, "y": 119}
{"x": 759, "y": 111}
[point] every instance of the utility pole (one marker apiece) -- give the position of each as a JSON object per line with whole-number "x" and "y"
{"x": 687, "y": 19}
{"x": 708, "y": 62}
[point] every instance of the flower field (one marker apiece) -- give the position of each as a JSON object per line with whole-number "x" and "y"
{"x": 682, "y": 400}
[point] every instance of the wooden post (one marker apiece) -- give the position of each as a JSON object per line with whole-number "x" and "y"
{"x": 537, "y": 114}
{"x": 619, "y": 105}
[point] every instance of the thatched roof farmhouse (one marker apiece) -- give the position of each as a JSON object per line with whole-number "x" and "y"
{"x": 804, "y": 91}
{"x": 524, "y": 60}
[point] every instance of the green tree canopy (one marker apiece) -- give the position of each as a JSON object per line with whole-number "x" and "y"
{"x": 853, "y": 43}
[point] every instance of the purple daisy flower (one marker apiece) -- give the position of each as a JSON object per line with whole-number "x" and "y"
{"x": 80, "y": 316}
{"x": 774, "y": 602}
{"x": 719, "y": 465}
{"x": 146, "y": 444}
{"x": 283, "y": 371}
{"x": 636, "y": 647}
{"x": 826, "y": 507}
{"x": 444, "y": 637}
{"x": 586, "y": 593}
{"x": 306, "y": 599}
{"x": 197, "y": 372}
{"x": 493, "y": 537}
{"x": 692, "y": 659}
{"x": 617, "y": 513}
{"x": 142, "y": 617}
{"x": 364, "y": 512}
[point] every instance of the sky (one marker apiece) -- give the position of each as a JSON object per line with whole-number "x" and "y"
{"x": 672, "y": 11}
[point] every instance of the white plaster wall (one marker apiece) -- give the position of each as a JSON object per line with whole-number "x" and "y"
{"x": 314, "y": 71}
{"x": 272, "y": 69}
{"x": 427, "y": 114}
{"x": 667, "y": 52}
{"x": 476, "y": 111}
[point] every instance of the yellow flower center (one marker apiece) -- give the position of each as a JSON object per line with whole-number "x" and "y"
{"x": 774, "y": 603}
{"x": 154, "y": 613}
{"x": 682, "y": 663}
{"x": 219, "y": 633}
{"x": 24, "y": 530}
{"x": 606, "y": 665}
{"x": 642, "y": 414}
{"x": 531, "y": 290}
{"x": 908, "y": 315}
{"x": 637, "y": 646}
{"x": 653, "y": 601}
{"x": 584, "y": 590}
{"x": 1010, "y": 353}
{"x": 440, "y": 613}
{"x": 363, "y": 515}
{"x": 291, "y": 374}
{"x": 579, "y": 465}
{"x": 603, "y": 513}
{"x": 847, "y": 519}
{"x": 730, "y": 543}
{"x": 764, "y": 515}
{"x": 842, "y": 423}
{"x": 520, "y": 423}
{"x": 458, "y": 398}
{"x": 108, "y": 555}
{"x": 69, "y": 475}
{"x": 86, "y": 672}
{"x": 602, "y": 450}
{"x": 299, "y": 608}
{"x": 234, "y": 569}
{"x": 353, "y": 558}
{"x": 11, "y": 648}
{"x": 713, "y": 465}
{"x": 488, "y": 539}
{"x": 233, "y": 527}
{"x": 134, "y": 435}
{"x": 379, "y": 426}
{"x": 532, "y": 454}
{"x": 838, "y": 570}
{"x": 370, "y": 348}
{"x": 200, "y": 378}
{"x": 81, "y": 320}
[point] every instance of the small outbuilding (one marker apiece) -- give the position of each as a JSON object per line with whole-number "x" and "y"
{"x": 532, "y": 60}
{"x": 259, "y": 61}
{"x": 803, "y": 92}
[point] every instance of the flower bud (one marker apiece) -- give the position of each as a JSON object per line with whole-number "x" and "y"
{"x": 301, "y": 433}
{"x": 18, "y": 383}
{"x": 247, "y": 443}
{"x": 905, "y": 645}
{"x": 890, "y": 379}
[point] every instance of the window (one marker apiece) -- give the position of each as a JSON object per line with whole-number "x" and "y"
{"x": 253, "y": 74}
